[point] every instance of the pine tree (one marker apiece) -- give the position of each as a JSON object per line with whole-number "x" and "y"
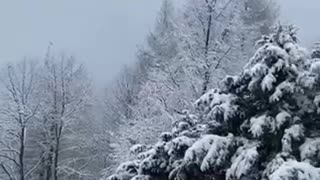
{"x": 258, "y": 125}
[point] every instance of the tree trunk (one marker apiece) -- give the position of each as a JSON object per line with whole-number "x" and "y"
{"x": 56, "y": 151}
{"x": 207, "y": 65}
{"x": 43, "y": 169}
{"x": 21, "y": 154}
{"x": 56, "y": 158}
{"x": 48, "y": 165}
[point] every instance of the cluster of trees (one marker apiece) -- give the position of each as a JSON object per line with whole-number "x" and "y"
{"x": 47, "y": 129}
{"x": 261, "y": 124}
{"x": 252, "y": 108}
{"x": 186, "y": 54}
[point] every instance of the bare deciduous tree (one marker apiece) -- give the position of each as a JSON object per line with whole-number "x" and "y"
{"x": 19, "y": 108}
{"x": 66, "y": 92}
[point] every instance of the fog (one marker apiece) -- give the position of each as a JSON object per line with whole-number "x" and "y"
{"x": 305, "y": 15}
{"x": 103, "y": 34}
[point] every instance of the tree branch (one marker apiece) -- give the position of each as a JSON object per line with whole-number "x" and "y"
{"x": 12, "y": 177}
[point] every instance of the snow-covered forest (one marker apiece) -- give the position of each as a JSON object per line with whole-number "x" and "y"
{"x": 219, "y": 90}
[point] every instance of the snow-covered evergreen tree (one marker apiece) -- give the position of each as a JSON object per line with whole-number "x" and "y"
{"x": 258, "y": 125}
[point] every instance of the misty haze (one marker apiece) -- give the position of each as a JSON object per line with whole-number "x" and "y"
{"x": 160, "y": 90}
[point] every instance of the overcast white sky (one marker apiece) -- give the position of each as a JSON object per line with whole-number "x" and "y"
{"x": 305, "y": 14}
{"x": 103, "y": 33}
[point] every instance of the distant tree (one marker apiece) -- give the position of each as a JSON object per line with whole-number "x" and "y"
{"x": 118, "y": 104}
{"x": 127, "y": 101}
{"x": 260, "y": 15}
{"x": 217, "y": 37}
{"x": 19, "y": 109}
{"x": 66, "y": 91}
